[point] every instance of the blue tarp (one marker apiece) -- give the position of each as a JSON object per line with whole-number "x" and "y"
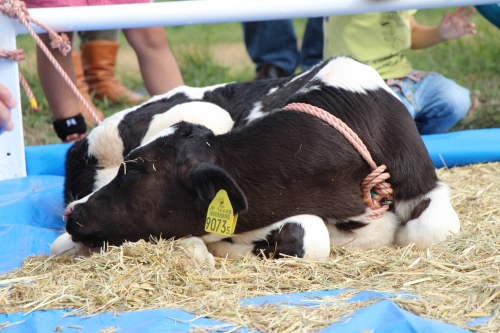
{"x": 31, "y": 218}
{"x": 464, "y": 147}
{"x": 383, "y": 316}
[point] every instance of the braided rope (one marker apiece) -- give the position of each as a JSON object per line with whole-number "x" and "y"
{"x": 12, "y": 55}
{"x": 16, "y": 9}
{"x": 17, "y": 55}
{"x": 29, "y": 92}
{"x": 376, "y": 180}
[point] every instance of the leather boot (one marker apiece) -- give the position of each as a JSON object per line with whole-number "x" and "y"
{"x": 98, "y": 59}
{"x": 83, "y": 87}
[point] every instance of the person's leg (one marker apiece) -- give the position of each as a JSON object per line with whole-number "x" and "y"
{"x": 84, "y": 89}
{"x": 100, "y": 69}
{"x": 442, "y": 103}
{"x": 90, "y": 36}
{"x": 98, "y": 59}
{"x": 272, "y": 42}
{"x": 159, "y": 68}
{"x": 491, "y": 13}
{"x": 311, "y": 52}
{"x": 62, "y": 101}
{"x": 435, "y": 102}
{"x": 81, "y": 82}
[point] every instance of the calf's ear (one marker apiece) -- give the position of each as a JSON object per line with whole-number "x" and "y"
{"x": 208, "y": 179}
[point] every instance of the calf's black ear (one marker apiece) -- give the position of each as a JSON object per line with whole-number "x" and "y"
{"x": 208, "y": 179}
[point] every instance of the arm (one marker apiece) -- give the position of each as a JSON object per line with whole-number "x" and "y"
{"x": 453, "y": 25}
{"x": 6, "y": 101}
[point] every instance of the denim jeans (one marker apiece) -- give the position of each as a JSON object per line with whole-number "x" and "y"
{"x": 435, "y": 102}
{"x": 491, "y": 13}
{"x": 275, "y": 42}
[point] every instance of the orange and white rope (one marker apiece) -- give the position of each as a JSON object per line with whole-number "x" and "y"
{"x": 17, "y": 55}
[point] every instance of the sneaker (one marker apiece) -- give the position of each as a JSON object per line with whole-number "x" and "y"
{"x": 270, "y": 71}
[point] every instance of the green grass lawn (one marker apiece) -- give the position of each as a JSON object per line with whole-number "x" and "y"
{"x": 472, "y": 61}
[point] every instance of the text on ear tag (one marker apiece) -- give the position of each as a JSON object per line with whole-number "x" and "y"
{"x": 220, "y": 218}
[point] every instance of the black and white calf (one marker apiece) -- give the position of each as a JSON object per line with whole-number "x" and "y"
{"x": 93, "y": 162}
{"x": 293, "y": 180}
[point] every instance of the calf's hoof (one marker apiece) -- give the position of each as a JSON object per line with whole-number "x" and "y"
{"x": 198, "y": 251}
{"x": 65, "y": 245}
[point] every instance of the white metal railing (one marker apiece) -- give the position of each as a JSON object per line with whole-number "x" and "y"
{"x": 12, "y": 160}
{"x": 218, "y": 11}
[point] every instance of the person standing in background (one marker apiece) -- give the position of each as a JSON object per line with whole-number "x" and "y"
{"x": 272, "y": 46}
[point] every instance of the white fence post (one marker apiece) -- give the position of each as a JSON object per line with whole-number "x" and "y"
{"x": 12, "y": 159}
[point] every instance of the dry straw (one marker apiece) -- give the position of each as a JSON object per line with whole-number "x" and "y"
{"x": 455, "y": 281}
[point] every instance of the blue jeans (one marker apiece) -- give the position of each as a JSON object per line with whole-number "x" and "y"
{"x": 435, "y": 102}
{"x": 275, "y": 42}
{"x": 491, "y": 13}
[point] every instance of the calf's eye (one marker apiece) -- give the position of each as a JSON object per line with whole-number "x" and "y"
{"x": 132, "y": 174}
{"x": 135, "y": 171}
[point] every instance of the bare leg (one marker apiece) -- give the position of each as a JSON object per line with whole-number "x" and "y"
{"x": 62, "y": 101}
{"x": 159, "y": 68}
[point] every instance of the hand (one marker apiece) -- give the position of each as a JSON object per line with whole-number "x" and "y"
{"x": 6, "y": 101}
{"x": 454, "y": 25}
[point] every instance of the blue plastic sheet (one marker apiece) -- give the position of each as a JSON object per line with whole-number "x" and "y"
{"x": 31, "y": 211}
{"x": 159, "y": 320}
{"x": 387, "y": 317}
{"x": 30, "y": 217}
{"x": 46, "y": 160}
{"x": 383, "y": 316}
{"x": 464, "y": 147}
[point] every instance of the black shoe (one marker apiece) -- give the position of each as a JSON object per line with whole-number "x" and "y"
{"x": 270, "y": 71}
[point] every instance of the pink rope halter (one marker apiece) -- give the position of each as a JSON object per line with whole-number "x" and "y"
{"x": 376, "y": 180}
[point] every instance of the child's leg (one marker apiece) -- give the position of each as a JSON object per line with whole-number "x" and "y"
{"x": 159, "y": 68}
{"x": 441, "y": 103}
{"x": 63, "y": 103}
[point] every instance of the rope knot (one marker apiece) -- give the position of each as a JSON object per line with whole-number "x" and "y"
{"x": 60, "y": 42}
{"x": 13, "y": 9}
{"x": 14, "y": 55}
{"x": 376, "y": 181}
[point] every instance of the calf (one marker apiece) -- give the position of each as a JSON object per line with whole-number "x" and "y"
{"x": 293, "y": 180}
{"x": 94, "y": 161}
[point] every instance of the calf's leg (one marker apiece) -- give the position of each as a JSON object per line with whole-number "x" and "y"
{"x": 304, "y": 236}
{"x": 362, "y": 233}
{"x": 431, "y": 220}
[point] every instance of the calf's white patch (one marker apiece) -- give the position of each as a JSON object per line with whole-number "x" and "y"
{"x": 200, "y": 113}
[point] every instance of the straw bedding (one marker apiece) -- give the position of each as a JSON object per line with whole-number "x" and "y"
{"x": 455, "y": 281}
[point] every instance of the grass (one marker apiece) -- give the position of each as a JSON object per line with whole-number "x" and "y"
{"x": 206, "y": 57}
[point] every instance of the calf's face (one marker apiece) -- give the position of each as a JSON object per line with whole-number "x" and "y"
{"x": 161, "y": 189}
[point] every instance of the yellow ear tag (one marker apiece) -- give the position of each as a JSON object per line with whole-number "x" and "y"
{"x": 220, "y": 218}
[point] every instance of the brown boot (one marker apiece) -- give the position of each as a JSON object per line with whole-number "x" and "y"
{"x": 99, "y": 57}
{"x": 83, "y": 87}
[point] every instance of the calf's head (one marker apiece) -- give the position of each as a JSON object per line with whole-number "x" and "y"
{"x": 163, "y": 188}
